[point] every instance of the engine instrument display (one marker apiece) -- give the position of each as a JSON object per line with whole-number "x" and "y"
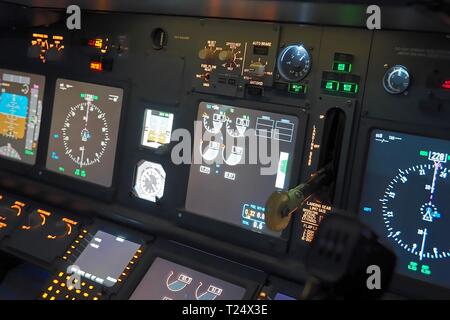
{"x": 84, "y": 131}
{"x": 157, "y": 128}
{"x": 232, "y": 176}
{"x": 21, "y": 97}
{"x": 105, "y": 258}
{"x": 405, "y": 199}
{"x": 150, "y": 180}
{"x": 166, "y": 280}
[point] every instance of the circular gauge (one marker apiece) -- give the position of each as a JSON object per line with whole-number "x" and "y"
{"x": 236, "y": 126}
{"x": 85, "y": 134}
{"x": 210, "y": 150}
{"x": 213, "y": 122}
{"x": 150, "y": 181}
{"x": 396, "y": 80}
{"x": 294, "y": 63}
{"x": 419, "y": 225}
{"x": 234, "y": 156}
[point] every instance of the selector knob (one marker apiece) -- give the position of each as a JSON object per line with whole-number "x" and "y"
{"x": 6, "y": 214}
{"x": 36, "y": 219}
{"x": 59, "y": 230}
{"x": 396, "y": 80}
{"x": 226, "y": 55}
{"x": 206, "y": 54}
{"x": 257, "y": 68}
{"x": 52, "y": 54}
{"x": 34, "y": 51}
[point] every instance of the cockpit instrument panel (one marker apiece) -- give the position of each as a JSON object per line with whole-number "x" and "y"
{"x": 84, "y": 131}
{"x": 166, "y": 280}
{"x": 240, "y": 157}
{"x": 405, "y": 199}
{"x": 21, "y": 97}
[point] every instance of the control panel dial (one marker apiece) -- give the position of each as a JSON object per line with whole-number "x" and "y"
{"x": 396, "y": 80}
{"x": 294, "y": 63}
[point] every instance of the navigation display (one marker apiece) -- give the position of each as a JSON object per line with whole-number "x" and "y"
{"x": 105, "y": 258}
{"x": 84, "y": 131}
{"x": 166, "y": 280}
{"x": 157, "y": 128}
{"x": 229, "y": 178}
{"x": 21, "y": 97}
{"x": 405, "y": 198}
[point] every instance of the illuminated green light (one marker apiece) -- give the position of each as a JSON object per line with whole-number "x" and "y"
{"x": 296, "y": 88}
{"x": 342, "y": 66}
{"x": 348, "y": 87}
{"x": 424, "y": 153}
{"x": 80, "y": 173}
{"x": 29, "y": 152}
{"x": 83, "y": 95}
{"x": 425, "y": 270}
{"x": 412, "y": 266}
{"x": 332, "y": 85}
{"x": 61, "y": 169}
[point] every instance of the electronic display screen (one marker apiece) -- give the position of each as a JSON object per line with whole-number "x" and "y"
{"x": 20, "y": 114}
{"x": 84, "y": 131}
{"x": 405, "y": 198}
{"x": 229, "y": 180}
{"x": 105, "y": 258}
{"x": 157, "y": 128}
{"x": 166, "y": 280}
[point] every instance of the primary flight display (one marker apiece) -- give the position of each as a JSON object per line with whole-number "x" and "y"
{"x": 21, "y": 96}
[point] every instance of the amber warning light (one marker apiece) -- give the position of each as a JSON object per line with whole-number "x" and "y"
{"x": 95, "y": 43}
{"x": 96, "y": 66}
